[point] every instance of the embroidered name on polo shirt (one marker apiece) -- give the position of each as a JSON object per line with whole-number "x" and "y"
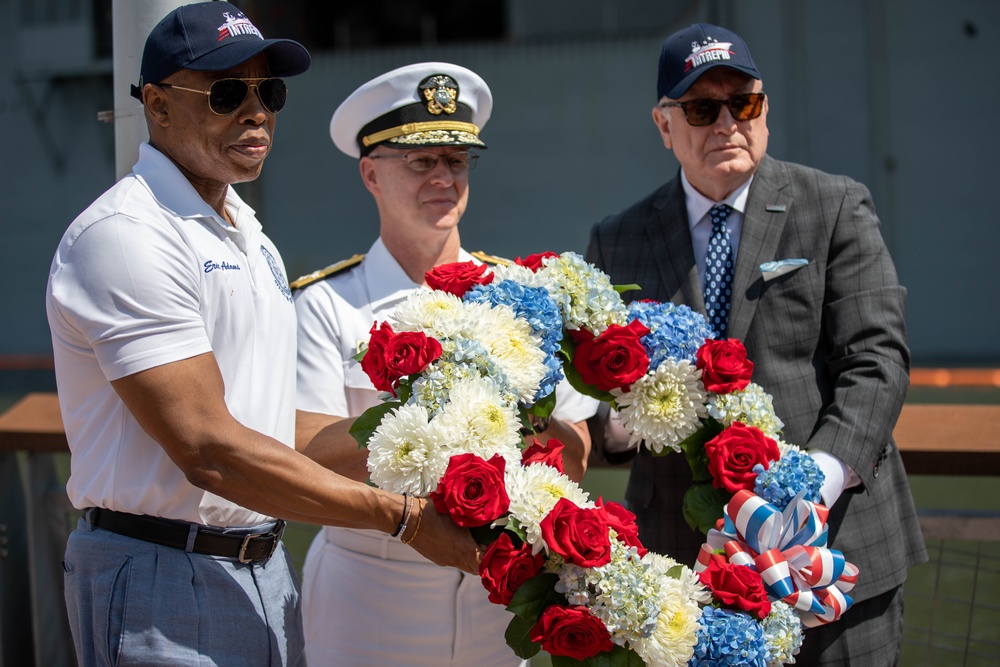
{"x": 220, "y": 266}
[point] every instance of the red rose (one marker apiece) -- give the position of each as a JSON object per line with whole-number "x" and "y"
{"x": 623, "y": 523}
{"x": 505, "y": 567}
{"x": 737, "y": 586}
{"x": 571, "y": 631}
{"x": 458, "y": 277}
{"x": 550, "y": 454}
{"x": 733, "y": 453}
{"x": 534, "y": 262}
{"x": 410, "y": 352}
{"x": 724, "y": 365}
{"x": 615, "y": 359}
{"x": 373, "y": 363}
{"x": 578, "y": 535}
{"x": 472, "y": 490}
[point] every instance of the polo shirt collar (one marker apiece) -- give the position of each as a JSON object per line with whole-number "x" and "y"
{"x": 174, "y": 192}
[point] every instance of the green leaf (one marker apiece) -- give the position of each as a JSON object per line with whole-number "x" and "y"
{"x": 621, "y": 289}
{"x": 405, "y": 389}
{"x": 514, "y": 526}
{"x": 361, "y": 353}
{"x": 619, "y": 656}
{"x": 577, "y": 383}
{"x": 364, "y": 426}
{"x": 694, "y": 449}
{"x": 567, "y": 348}
{"x": 485, "y": 534}
{"x": 676, "y": 571}
{"x": 544, "y": 406}
{"x": 703, "y": 505}
{"x": 533, "y": 596}
{"x": 517, "y": 636}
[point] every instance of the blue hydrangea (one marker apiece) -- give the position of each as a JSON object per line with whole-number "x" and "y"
{"x": 728, "y": 637}
{"x": 793, "y": 472}
{"x": 674, "y": 331}
{"x": 535, "y": 305}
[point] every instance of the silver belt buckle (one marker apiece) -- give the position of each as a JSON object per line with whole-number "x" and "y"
{"x": 275, "y": 534}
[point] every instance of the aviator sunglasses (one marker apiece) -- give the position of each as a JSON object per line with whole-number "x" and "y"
{"x": 706, "y": 111}
{"x": 227, "y": 95}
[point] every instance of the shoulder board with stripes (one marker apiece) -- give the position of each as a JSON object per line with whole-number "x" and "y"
{"x": 331, "y": 270}
{"x": 489, "y": 259}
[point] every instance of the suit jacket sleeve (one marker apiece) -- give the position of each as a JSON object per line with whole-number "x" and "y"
{"x": 865, "y": 335}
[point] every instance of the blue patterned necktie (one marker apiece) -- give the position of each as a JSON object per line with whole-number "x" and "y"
{"x": 719, "y": 271}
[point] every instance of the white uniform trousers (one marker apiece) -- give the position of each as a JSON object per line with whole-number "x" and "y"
{"x": 368, "y": 600}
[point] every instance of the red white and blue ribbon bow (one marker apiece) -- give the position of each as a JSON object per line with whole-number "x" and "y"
{"x": 789, "y": 551}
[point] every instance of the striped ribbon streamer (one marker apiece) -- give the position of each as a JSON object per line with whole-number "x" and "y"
{"x": 789, "y": 551}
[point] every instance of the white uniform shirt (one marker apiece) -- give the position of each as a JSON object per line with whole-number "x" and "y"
{"x": 335, "y": 316}
{"x": 149, "y": 274}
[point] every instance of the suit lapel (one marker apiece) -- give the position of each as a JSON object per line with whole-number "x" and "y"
{"x": 758, "y": 242}
{"x": 670, "y": 243}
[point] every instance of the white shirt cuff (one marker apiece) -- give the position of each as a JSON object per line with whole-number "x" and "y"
{"x": 838, "y": 475}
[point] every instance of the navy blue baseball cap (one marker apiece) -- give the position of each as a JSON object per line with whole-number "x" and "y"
{"x": 689, "y": 53}
{"x": 212, "y": 37}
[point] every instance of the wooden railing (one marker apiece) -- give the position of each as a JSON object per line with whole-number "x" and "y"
{"x": 933, "y": 439}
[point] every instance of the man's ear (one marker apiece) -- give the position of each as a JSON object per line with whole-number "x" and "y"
{"x": 366, "y": 166}
{"x": 157, "y": 104}
{"x": 662, "y": 122}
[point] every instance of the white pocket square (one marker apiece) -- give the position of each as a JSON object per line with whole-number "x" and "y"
{"x": 771, "y": 270}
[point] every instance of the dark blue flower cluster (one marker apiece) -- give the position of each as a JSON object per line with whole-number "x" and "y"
{"x": 729, "y": 638}
{"x": 541, "y": 311}
{"x": 674, "y": 331}
{"x": 795, "y": 471}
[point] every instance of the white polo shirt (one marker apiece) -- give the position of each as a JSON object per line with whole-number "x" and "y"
{"x": 149, "y": 274}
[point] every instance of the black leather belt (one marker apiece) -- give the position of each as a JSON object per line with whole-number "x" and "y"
{"x": 245, "y": 548}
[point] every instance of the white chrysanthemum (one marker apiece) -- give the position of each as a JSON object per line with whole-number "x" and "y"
{"x": 519, "y": 274}
{"x": 751, "y": 406}
{"x": 663, "y": 407}
{"x": 436, "y": 313}
{"x": 513, "y": 344}
{"x": 533, "y": 491}
{"x": 486, "y": 423}
{"x": 672, "y": 642}
{"x": 408, "y": 453}
{"x": 690, "y": 583}
{"x": 584, "y": 293}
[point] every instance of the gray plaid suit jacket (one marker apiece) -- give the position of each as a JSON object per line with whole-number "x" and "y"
{"x": 828, "y": 342}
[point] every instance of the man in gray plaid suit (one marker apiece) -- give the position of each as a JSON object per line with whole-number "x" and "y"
{"x": 814, "y": 296}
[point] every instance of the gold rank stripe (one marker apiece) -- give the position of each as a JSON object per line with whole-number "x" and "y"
{"x": 490, "y": 259}
{"x": 331, "y": 270}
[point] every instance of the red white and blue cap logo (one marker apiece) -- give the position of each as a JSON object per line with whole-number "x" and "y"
{"x": 689, "y": 53}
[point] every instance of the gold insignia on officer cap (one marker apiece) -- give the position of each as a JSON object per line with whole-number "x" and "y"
{"x": 441, "y": 93}
{"x": 419, "y": 105}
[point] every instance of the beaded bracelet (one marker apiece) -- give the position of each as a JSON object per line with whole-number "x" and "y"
{"x": 416, "y": 529}
{"x": 407, "y": 510}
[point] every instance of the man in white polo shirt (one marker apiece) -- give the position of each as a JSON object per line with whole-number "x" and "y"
{"x": 173, "y": 332}
{"x": 369, "y": 600}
